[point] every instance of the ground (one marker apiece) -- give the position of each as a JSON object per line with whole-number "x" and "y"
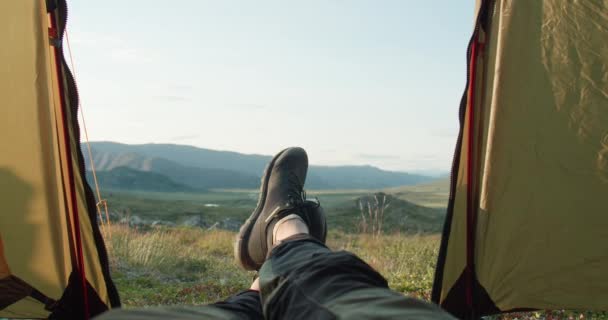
{"x": 193, "y": 266}
{"x": 181, "y": 265}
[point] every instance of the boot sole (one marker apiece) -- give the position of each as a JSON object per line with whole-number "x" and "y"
{"x": 241, "y": 252}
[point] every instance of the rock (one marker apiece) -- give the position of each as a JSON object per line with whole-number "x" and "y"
{"x": 157, "y": 223}
{"x": 230, "y": 224}
{"x": 214, "y": 226}
{"x": 114, "y": 215}
{"x": 161, "y": 223}
{"x": 133, "y": 221}
{"x": 136, "y": 221}
{"x": 193, "y": 221}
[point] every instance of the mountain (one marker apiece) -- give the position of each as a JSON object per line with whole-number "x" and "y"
{"x": 399, "y": 214}
{"x": 434, "y": 193}
{"x": 439, "y": 185}
{"x": 131, "y": 179}
{"x": 197, "y": 178}
{"x": 359, "y": 177}
{"x": 207, "y": 169}
{"x": 189, "y": 156}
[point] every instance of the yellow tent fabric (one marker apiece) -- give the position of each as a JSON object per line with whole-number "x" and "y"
{"x": 46, "y": 204}
{"x": 526, "y": 225}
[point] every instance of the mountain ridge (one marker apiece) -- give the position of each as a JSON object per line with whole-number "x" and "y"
{"x": 125, "y": 178}
{"x": 201, "y": 168}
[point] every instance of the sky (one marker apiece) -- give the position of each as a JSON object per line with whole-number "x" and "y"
{"x": 352, "y": 81}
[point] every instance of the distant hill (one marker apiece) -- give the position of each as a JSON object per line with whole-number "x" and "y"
{"x": 123, "y": 178}
{"x": 441, "y": 185}
{"x": 197, "y": 178}
{"x": 434, "y": 193}
{"x": 400, "y": 214}
{"x": 359, "y": 177}
{"x": 189, "y": 156}
{"x": 207, "y": 169}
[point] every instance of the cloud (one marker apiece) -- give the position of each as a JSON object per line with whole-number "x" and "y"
{"x": 184, "y": 137}
{"x": 180, "y": 87}
{"x": 94, "y": 39}
{"x": 428, "y": 157}
{"x": 445, "y": 133}
{"x": 123, "y": 54}
{"x": 250, "y": 106}
{"x": 113, "y": 46}
{"x": 369, "y": 156}
{"x": 173, "y": 98}
{"x": 329, "y": 150}
{"x": 411, "y": 162}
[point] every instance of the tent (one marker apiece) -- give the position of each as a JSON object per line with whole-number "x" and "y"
{"x": 53, "y": 262}
{"x": 526, "y": 223}
{"x": 527, "y": 220}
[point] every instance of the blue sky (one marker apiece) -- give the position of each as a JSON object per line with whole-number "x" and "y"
{"x": 354, "y": 82}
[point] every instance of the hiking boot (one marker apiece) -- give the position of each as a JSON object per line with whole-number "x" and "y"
{"x": 281, "y": 194}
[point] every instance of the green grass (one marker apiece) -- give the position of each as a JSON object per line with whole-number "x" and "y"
{"x": 172, "y": 206}
{"x": 434, "y": 194}
{"x": 194, "y": 266}
{"x": 191, "y": 266}
{"x": 340, "y": 206}
{"x": 407, "y": 262}
{"x": 173, "y": 266}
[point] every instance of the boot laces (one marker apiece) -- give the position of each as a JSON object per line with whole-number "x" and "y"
{"x": 295, "y": 190}
{"x": 297, "y": 194}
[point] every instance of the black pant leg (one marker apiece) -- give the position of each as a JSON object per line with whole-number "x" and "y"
{"x": 303, "y": 279}
{"x": 242, "y": 306}
{"x": 245, "y": 305}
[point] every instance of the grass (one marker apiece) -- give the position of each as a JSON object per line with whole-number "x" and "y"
{"x": 169, "y": 266}
{"x": 173, "y": 266}
{"x": 193, "y": 266}
{"x": 341, "y": 207}
{"x": 407, "y": 262}
{"x": 174, "y": 205}
{"x": 432, "y": 195}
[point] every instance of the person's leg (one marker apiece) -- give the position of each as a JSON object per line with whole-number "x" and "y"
{"x": 303, "y": 279}
{"x": 300, "y": 277}
{"x": 282, "y": 187}
{"x": 241, "y": 306}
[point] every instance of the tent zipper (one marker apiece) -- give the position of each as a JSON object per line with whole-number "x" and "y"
{"x": 475, "y": 49}
{"x": 486, "y": 10}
